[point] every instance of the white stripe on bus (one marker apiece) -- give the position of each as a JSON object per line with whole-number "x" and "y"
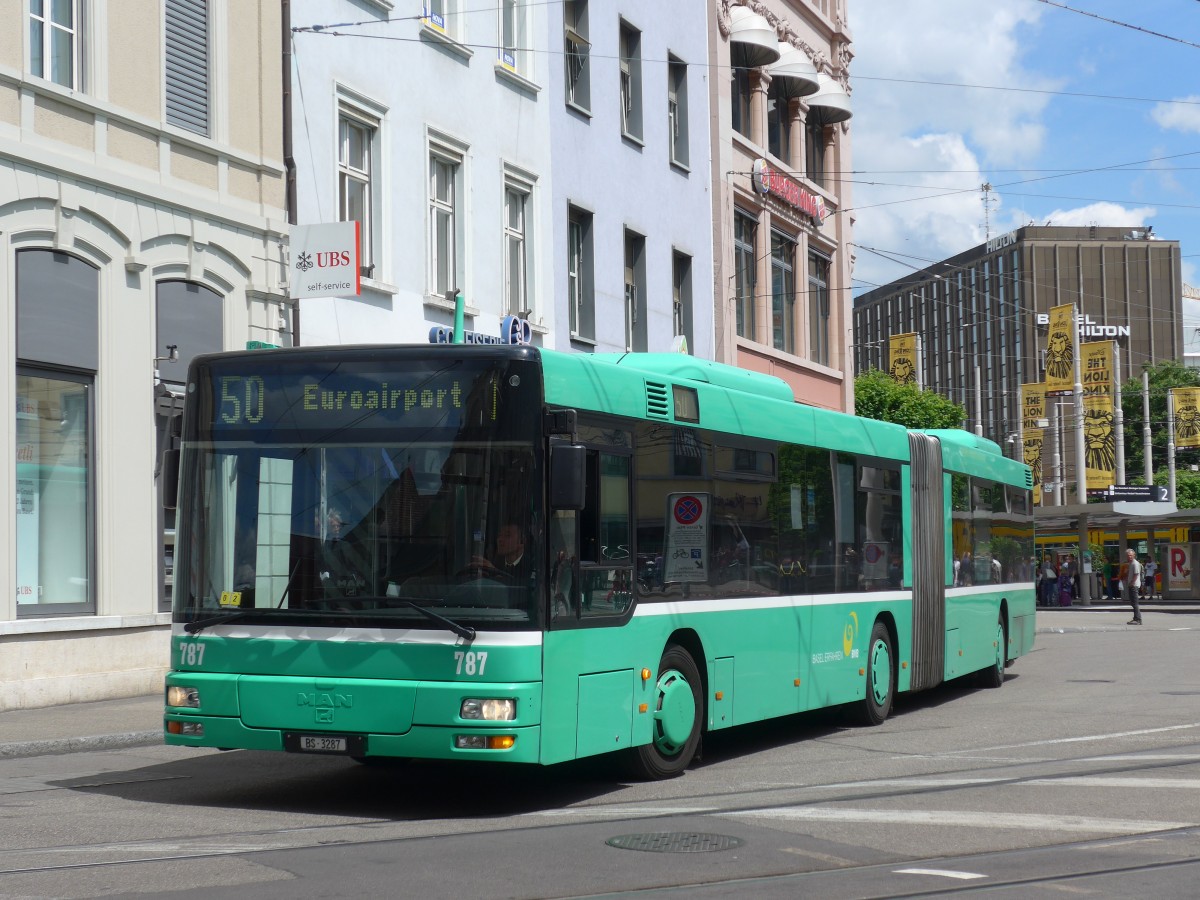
{"x": 365, "y": 635}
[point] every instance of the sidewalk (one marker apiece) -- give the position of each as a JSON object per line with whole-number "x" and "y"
{"x": 102, "y": 725}
{"x": 137, "y": 721}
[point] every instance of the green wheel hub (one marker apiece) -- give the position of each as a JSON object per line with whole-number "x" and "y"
{"x": 880, "y": 667}
{"x": 1000, "y": 655}
{"x": 675, "y": 712}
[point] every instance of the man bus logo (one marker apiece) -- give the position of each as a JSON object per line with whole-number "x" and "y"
{"x": 343, "y": 701}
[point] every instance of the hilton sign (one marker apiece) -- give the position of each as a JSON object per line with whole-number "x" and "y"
{"x": 1088, "y": 328}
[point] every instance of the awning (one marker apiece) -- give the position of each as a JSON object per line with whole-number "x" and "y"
{"x": 831, "y": 104}
{"x": 752, "y": 40}
{"x": 794, "y": 72}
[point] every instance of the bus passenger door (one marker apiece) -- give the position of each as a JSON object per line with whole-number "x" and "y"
{"x": 588, "y": 678}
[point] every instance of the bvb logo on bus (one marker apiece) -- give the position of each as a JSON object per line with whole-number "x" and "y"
{"x": 903, "y": 370}
{"x": 849, "y": 633}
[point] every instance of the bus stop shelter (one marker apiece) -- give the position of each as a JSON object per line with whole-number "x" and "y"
{"x": 1180, "y": 575}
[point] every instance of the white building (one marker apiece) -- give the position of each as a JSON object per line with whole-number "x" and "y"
{"x": 432, "y": 131}
{"x": 141, "y": 206}
{"x": 548, "y": 161}
{"x": 631, "y": 175}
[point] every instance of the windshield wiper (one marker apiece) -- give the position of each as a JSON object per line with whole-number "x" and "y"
{"x": 466, "y": 632}
{"x": 197, "y": 626}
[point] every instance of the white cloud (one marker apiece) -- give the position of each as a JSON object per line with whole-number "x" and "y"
{"x": 1104, "y": 214}
{"x": 920, "y": 148}
{"x": 1182, "y": 114}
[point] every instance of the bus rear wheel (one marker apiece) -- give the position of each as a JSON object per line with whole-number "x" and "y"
{"x": 678, "y": 714}
{"x": 881, "y": 680}
{"x": 993, "y": 675}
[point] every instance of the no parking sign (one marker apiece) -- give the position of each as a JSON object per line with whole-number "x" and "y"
{"x": 685, "y": 557}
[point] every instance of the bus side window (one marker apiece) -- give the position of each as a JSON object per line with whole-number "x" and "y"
{"x": 606, "y": 563}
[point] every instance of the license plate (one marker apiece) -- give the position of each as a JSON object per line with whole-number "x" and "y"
{"x": 312, "y": 743}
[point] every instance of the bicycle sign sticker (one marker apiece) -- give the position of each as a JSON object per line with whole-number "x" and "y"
{"x": 685, "y": 558}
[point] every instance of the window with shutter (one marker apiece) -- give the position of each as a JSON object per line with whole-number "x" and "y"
{"x": 187, "y": 81}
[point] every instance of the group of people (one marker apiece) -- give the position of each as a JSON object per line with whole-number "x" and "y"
{"x": 1129, "y": 581}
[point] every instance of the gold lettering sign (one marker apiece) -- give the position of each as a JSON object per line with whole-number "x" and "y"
{"x": 1096, "y": 368}
{"x": 1031, "y": 443}
{"x": 1033, "y": 405}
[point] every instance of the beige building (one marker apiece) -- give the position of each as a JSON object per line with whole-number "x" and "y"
{"x": 781, "y": 139}
{"x": 141, "y": 209}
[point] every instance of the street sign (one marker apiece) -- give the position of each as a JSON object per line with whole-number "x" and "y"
{"x": 1137, "y": 493}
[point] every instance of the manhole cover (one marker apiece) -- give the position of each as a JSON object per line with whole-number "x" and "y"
{"x": 674, "y": 842}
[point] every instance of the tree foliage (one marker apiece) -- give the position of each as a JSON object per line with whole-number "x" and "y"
{"x": 1162, "y": 377}
{"x": 878, "y": 396}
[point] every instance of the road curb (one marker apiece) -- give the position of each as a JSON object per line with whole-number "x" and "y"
{"x": 19, "y": 749}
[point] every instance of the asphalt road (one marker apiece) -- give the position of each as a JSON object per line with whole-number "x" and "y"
{"x": 1080, "y": 775}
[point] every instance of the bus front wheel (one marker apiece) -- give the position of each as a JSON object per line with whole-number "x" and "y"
{"x": 678, "y": 714}
{"x": 880, "y": 675}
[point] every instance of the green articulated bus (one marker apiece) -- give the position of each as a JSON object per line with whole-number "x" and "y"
{"x": 504, "y": 553}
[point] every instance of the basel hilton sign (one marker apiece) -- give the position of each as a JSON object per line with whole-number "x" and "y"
{"x": 1088, "y": 328}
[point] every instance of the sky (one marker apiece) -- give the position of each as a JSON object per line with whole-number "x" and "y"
{"x": 1071, "y": 119}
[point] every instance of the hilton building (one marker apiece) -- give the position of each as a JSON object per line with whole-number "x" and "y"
{"x": 982, "y": 315}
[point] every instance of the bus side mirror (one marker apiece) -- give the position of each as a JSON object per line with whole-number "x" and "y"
{"x": 567, "y": 485}
{"x": 170, "y": 478}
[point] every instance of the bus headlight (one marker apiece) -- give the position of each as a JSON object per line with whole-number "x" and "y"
{"x": 491, "y": 710}
{"x": 179, "y": 695}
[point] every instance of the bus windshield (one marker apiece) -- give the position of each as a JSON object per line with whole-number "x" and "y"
{"x": 377, "y": 492}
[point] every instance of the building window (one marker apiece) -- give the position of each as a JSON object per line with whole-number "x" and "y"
{"x": 578, "y": 48}
{"x": 635, "y": 292}
{"x": 677, "y": 110}
{"x": 58, "y": 352}
{"x": 442, "y": 15}
{"x": 681, "y": 297}
{"x": 358, "y": 150}
{"x": 517, "y": 245}
{"x": 740, "y": 102}
{"x": 779, "y": 122}
{"x": 783, "y": 292}
{"x": 814, "y": 149}
{"x": 818, "y": 308}
{"x": 631, "y": 82}
{"x": 54, "y": 41}
{"x": 745, "y": 264}
{"x": 513, "y": 48}
{"x": 579, "y": 275}
{"x": 187, "y": 64}
{"x": 445, "y": 173}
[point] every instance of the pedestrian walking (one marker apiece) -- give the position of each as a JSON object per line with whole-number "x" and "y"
{"x": 1049, "y": 582}
{"x": 1132, "y": 585}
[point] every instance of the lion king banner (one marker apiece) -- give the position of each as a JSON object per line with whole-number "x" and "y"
{"x": 1031, "y": 445}
{"x": 1187, "y": 416}
{"x": 1060, "y": 351}
{"x": 1033, "y": 405}
{"x": 1096, "y": 368}
{"x": 903, "y": 364}
{"x": 1100, "y": 442}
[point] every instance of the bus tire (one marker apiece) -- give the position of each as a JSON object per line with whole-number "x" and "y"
{"x": 993, "y": 675}
{"x": 881, "y": 678}
{"x": 678, "y": 717}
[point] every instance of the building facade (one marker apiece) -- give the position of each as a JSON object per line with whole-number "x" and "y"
{"x": 781, "y": 139}
{"x": 141, "y": 222}
{"x": 548, "y": 161}
{"x": 982, "y": 315}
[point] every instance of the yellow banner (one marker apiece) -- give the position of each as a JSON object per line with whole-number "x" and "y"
{"x": 902, "y": 358}
{"x": 1100, "y": 442}
{"x": 1031, "y": 442}
{"x": 1096, "y": 368}
{"x": 1060, "y": 351}
{"x": 1187, "y": 417}
{"x": 1033, "y": 405}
